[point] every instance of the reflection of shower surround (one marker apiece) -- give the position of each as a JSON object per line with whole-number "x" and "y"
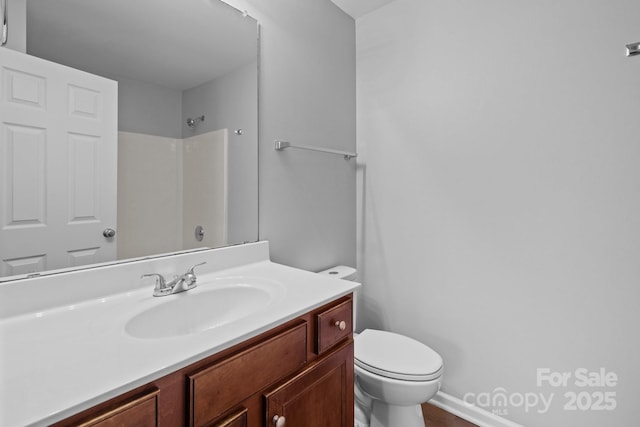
{"x": 167, "y": 187}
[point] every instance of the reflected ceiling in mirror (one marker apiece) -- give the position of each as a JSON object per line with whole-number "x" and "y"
{"x": 177, "y": 45}
{"x": 187, "y": 117}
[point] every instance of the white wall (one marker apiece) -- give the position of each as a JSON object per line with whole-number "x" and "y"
{"x": 307, "y": 96}
{"x": 501, "y": 192}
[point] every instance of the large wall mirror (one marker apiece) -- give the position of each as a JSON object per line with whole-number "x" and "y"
{"x": 187, "y": 130}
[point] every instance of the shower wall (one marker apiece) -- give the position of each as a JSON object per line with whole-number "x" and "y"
{"x": 205, "y": 189}
{"x": 227, "y": 101}
{"x": 149, "y": 194}
{"x": 150, "y": 114}
{"x": 166, "y": 187}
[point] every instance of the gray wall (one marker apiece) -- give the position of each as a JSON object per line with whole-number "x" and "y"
{"x": 148, "y": 108}
{"x": 502, "y": 194}
{"x": 307, "y": 96}
{"x": 228, "y": 101}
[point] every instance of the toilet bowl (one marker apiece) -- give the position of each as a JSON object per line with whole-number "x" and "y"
{"x": 394, "y": 374}
{"x": 397, "y": 373}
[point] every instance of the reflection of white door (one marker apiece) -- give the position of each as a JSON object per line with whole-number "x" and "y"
{"x": 58, "y": 154}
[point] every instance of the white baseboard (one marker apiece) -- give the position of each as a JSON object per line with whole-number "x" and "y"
{"x": 474, "y": 414}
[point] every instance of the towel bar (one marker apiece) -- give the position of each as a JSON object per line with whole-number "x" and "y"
{"x": 281, "y": 145}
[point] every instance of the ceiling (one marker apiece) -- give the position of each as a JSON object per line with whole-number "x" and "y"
{"x": 357, "y": 8}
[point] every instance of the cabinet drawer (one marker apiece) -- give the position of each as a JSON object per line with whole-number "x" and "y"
{"x": 237, "y": 419}
{"x": 332, "y": 325}
{"x": 218, "y": 388}
{"x": 137, "y": 412}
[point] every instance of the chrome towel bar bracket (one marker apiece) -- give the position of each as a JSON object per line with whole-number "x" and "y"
{"x": 281, "y": 145}
{"x": 633, "y": 49}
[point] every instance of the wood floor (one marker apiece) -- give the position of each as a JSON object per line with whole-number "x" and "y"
{"x": 436, "y": 417}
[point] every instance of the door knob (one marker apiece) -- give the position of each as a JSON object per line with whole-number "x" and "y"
{"x": 109, "y": 232}
{"x": 279, "y": 421}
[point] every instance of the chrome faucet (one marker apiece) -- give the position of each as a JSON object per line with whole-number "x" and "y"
{"x": 178, "y": 284}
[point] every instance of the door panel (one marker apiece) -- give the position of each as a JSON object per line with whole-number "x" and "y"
{"x": 58, "y": 145}
{"x": 24, "y": 169}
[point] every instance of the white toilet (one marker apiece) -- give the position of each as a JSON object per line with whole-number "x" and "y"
{"x": 394, "y": 374}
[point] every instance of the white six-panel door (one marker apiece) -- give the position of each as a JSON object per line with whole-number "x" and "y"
{"x": 58, "y": 174}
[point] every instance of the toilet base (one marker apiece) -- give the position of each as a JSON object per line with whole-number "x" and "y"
{"x": 385, "y": 415}
{"x": 361, "y": 419}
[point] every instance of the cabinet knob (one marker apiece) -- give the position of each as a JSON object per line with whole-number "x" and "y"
{"x": 341, "y": 324}
{"x": 279, "y": 421}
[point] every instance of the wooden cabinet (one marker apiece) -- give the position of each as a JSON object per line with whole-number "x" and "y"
{"x": 320, "y": 396}
{"x": 333, "y": 325}
{"x": 218, "y": 388}
{"x": 300, "y": 373}
{"x": 140, "y": 409}
{"x": 236, "y": 419}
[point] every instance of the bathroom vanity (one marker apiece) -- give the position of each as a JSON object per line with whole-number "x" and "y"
{"x": 119, "y": 356}
{"x": 300, "y": 373}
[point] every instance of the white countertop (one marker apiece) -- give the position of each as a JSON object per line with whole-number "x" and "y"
{"x": 61, "y": 360}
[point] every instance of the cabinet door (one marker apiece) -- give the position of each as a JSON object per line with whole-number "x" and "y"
{"x": 320, "y": 396}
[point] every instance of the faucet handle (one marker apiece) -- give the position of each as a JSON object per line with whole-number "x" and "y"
{"x": 189, "y": 278}
{"x": 161, "y": 288}
{"x": 190, "y": 269}
{"x": 160, "y": 282}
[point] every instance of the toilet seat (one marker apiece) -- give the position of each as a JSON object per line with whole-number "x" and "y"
{"x": 396, "y": 356}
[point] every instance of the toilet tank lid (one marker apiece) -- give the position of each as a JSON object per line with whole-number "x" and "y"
{"x": 396, "y": 356}
{"x": 340, "y": 272}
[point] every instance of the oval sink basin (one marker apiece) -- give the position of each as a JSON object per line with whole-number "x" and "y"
{"x": 214, "y": 304}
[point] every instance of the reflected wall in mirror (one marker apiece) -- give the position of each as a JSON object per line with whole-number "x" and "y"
{"x": 186, "y": 132}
